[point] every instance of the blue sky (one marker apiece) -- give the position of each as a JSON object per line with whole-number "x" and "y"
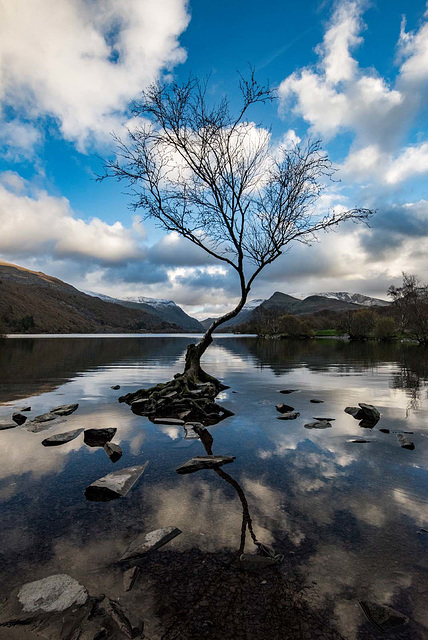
{"x": 353, "y": 73}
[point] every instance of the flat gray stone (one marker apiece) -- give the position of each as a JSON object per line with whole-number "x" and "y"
{"x": 384, "y": 618}
{"x": 116, "y": 484}
{"x": 289, "y": 415}
{"x": 204, "y": 462}
{"x": 45, "y": 417}
{"x": 113, "y": 451}
{"x": 61, "y": 438}
{"x": 319, "y": 424}
{"x": 7, "y": 424}
{"x": 55, "y": 593}
{"x": 283, "y": 408}
{"x": 25, "y": 409}
{"x": 146, "y": 542}
{"x": 171, "y": 421}
{"x": 64, "y": 409}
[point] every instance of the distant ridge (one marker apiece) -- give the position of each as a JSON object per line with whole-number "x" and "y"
{"x": 34, "y": 302}
{"x": 355, "y": 298}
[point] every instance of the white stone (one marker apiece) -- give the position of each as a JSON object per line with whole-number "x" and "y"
{"x": 55, "y": 593}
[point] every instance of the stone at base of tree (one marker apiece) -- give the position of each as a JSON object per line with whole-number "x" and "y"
{"x": 113, "y": 451}
{"x": 204, "y": 462}
{"x": 127, "y": 622}
{"x": 7, "y": 424}
{"x": 146, "y": 542}
{"x": 18, "y": 418}
{"x": 404, "y": 442}
{"x": 115, "y": 485}
{"x": 61, "y": 438}
{"x": 54, "y": 593}
{"x": 98, "y": 437}
{"x": 384, "y": 618}
{"x": 289, "y": 415}
{"x": 65, "y": 409}
{"x": 283, "y": 408}
{"x": 319, "y": 424}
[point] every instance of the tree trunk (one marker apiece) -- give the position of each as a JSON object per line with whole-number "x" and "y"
{"x": 192, "y": 368}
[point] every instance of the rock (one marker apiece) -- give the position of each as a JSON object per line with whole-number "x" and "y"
{"x": 129, "y": 578}
{"x": 204, "y": 462}
{"x": 61, "y": 438}
{"x": 98, "y": 437}
{"x": 256, "y": 562}
{"x": 7, "y": 424}
{"x": 324, "y": 419}
{"x": 404, "y": 442}
{"x": 169, "y": 421}
{"x": 64, "y": 409}
{"x": 287, "y": 391}
{"x": 18, "y": 418}
{"x": 45, "y": 417}
{"x": 146, "y": 542}
{"x": 359, "y": 440}
{"x": 131, "y": 626}
{"x": 315, "y": 401}
{"x": 319, "y": 424}
{"x": 289, "y": 415}
{"x": 115, "y": 387}
{"x": 382, "y": 617}
{"x": 283, "y": 408}
{"x": 384, "y": 430}
{"x": 191, "y": 433}
{"x": 370, "y": 412}
{"x": 26, "y": 409}
{"x": 365, "y": 412}
{"x": 113, "y": 451}
{"x": 115, "y": 485}
{"x": 55, "y": 593}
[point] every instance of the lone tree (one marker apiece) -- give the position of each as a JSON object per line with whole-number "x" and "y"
{"x": 411, "y": 305}
{"x": 217, "y": 179}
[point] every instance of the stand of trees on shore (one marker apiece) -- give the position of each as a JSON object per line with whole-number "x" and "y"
{"x": 406, "y": 317}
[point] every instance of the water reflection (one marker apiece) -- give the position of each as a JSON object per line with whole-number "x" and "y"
{"x": 344, "y": 515}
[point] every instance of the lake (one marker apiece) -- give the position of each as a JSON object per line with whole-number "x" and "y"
{"x": 348, "y": 517}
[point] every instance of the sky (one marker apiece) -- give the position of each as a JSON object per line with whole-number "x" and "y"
{"x": 351, "y": 73}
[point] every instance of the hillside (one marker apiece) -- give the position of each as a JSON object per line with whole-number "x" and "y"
{"x": 165, "y": 310}
{"x": 34, "y": 302}
{"x": 243, "y": 316}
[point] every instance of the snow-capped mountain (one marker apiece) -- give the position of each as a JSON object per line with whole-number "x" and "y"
{"x": 157, "y": 303}
{"x": 354, "y": 298}
{"x": 252, "y": 304}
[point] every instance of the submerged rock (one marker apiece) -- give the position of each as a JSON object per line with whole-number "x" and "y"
{"x": 319, "y": 424}
{"x": 283, "y": 408}
{"x": 324, "y": 419}
{"x": 287, "y": 391}
{"x": 359, "y": 440}
{"x": 25, "y": 409}
{"x": 7, "y": 424}
{"x": 385, "y": 430}
{"x": 146, "y": 542}
{"x": 289, "y": 415}
{"x": 382, "y": 617}
{"x": 126, "y": 621}
{"x": 115, "y": 485}
{"x": 98, "y": 437}
{"x": 113, "y": 451}
{"x": 18, "y": 418}
{"x": 404, "y": 442}
{"x": 315, "y": 401}
{"x": 61, "y": 438}
{"x": 55, "y": 593}
{"x": 204, "y": 462}
{"x": 64, "y": 409}
{"x": 115, "y": 387}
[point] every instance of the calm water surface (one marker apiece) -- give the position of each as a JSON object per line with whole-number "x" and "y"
{"x": 346, "y": 515}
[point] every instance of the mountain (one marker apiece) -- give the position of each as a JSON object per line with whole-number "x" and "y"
{"x": 166, "y": 310}
{"x": 35, "y": 302}
{"x": 242, "y": 316}
{"x": 355, "y": 298}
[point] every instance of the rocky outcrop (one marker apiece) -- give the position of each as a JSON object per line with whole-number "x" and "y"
{"x": 115, "y": 485}
{"x": 204, "y": 462}
{"x": 61, "y": 438}
{"x": 146, "y": 542}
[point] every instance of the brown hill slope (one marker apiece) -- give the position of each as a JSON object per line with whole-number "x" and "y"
{"x": 34, "y": 302}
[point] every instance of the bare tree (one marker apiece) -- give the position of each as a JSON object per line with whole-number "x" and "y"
{"x": 218, "y": 180}
{"x": 411, "y": 305}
